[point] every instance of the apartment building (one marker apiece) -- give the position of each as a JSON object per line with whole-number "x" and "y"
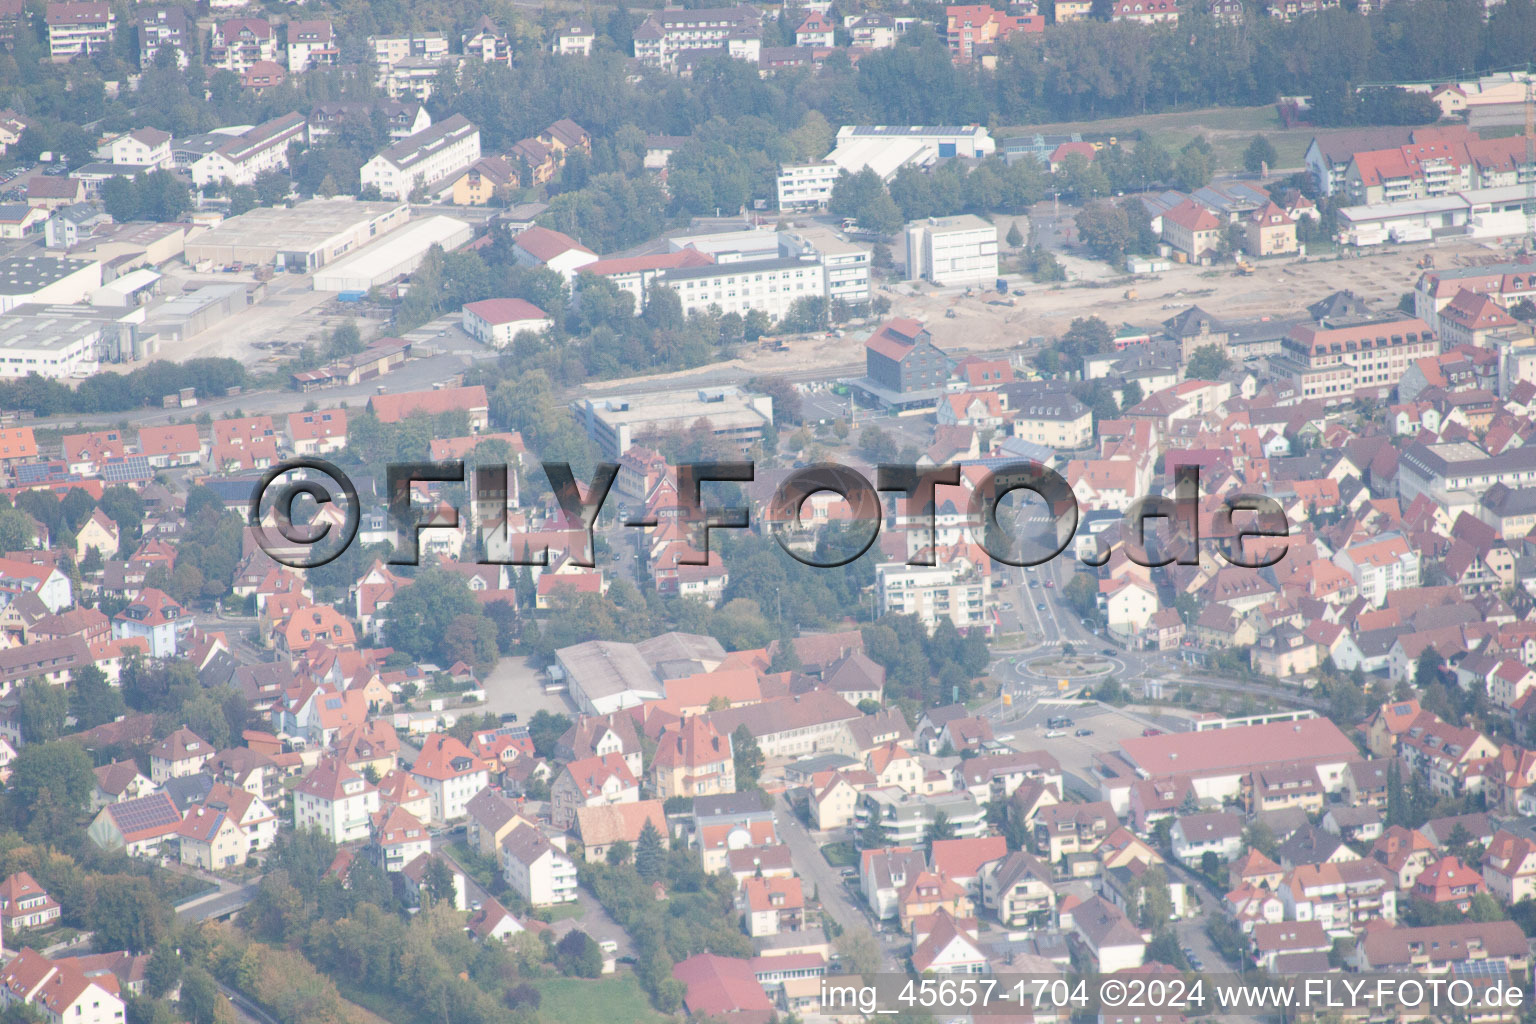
{"x": 391, "y": 50}
{"x": 667, "y": 35}
{"x": 241, "y": 42}
{"x": 957, "y": 591}
{"x": 1380, "y": 566}
{"x": 1336, "y": 364}
{"x": 311, "y": 44}
{"x": 952, "y": 251}
{"x": 161, "y": 27}
{"x": 1056, "y": 421}
{"x": 426, "y": 157}
{"x": 79, "y": 28}
{"x": 248, "y": 156}
{"x": 970, "y": 26}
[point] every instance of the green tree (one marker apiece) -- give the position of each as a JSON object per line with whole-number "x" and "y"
{"x": 579, "y": 955}
{"x": 620, "y": 853}
{"x": 1192, "y": 169}
{"x": 1014, "y": 238}
{"x": 939, "y": 829}
{"x": 1130, "y": 395}
{"x": 51, "y": 784}
{"x": 859, "y": 951}
{"x": 163, "y": 971}
{"x": 1106, "y": 229}
{"x": 438, "y": 882}
{"x": 93, "y": 700}
{"x": 650, "y": 855}
{"x": 748, "y": 757}
{"x": 1259, "y": 155}
{"x": 43, "y": 709}
{"x": 200, "y": 997}
{"x": 545, "y": 729}
{"x": 1208, "y": 362}
{"x": 876, "y": 445}
{"x": 129, "y": 913}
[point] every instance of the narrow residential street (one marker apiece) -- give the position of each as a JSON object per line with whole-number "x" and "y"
{"x": 836, "y": 900}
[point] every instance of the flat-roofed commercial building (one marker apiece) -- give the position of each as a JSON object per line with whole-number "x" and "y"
{"x": 47, "y": 279}
{"x": 303, "y": 239}
{"x": 377, "y": 265}
{"x": 845, "y": 265}
{"x": 616, "y": 423}
{"x": 952, "y": 251}
{"x": 772, "y": 286}
{"x": 882, "y": 148}
{"x": 53, "y": 348}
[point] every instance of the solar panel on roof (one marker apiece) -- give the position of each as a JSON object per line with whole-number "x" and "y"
{"x": 132, "y": 467}
{"x": 155, "y": 811}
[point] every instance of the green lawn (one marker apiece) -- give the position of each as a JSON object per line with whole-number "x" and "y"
{"x": 564, "y": 912}
{"x": 1228, "y": 129}
{"x": 840, "y": 855}
{"x": 613, "y": 1000}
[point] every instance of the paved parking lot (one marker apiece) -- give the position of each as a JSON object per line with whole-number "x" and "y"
{"x": 1110, "y": 725}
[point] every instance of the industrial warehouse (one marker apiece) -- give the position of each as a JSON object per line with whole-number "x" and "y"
{"x": 300, "y": 239}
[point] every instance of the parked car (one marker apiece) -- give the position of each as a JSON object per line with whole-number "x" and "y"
{"x": 1055, "y": 734}
{"x": 1084, "y": 732}
{"x": 1154, "y": 732}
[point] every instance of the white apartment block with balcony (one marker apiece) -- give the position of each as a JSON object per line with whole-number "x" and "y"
{"x": 1380, "y": 566}
{"x": 83, "y": 28}
{"x": 807, "y": 185}
{"x": 426, "y": 157}
{"x": 956, "y": 591}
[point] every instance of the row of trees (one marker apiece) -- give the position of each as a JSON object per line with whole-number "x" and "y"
{"x": 120, "y": 392}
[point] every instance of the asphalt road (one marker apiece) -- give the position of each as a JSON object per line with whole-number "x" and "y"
{"x": 220, "y": 904}
{"x": 836, "y": 901}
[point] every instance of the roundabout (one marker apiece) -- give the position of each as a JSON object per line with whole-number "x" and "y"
{"x": 1077, "y": 668}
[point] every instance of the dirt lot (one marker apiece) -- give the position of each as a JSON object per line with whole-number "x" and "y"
{"x": 1279, "y": 287}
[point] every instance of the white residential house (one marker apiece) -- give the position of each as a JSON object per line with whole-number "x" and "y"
{"x": 538, "y": 870}
{"x": 142, "y": 147}
{"x": 311, "y": 44}
{"x": 60, "y": 991}
{"x": 336, "y": 801}
{"x": 450, "y": 774}
{"x": 1218, "y": 832}
{"x": 180, "y": 754}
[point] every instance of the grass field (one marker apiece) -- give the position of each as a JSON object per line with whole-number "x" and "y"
{"x": 1228, "y": 129}
{"x": 615, "y": 1000}
{"x": 564, "y": 911}
{"x": 840, "y": 855}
